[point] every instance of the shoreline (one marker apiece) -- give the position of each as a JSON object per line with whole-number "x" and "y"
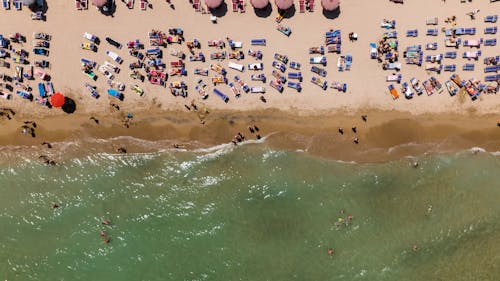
{"x": 386, "y": 136}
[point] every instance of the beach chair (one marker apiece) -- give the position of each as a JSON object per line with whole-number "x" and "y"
{"x": 490, "y": 30}
{"x": 295, "y": 85}
{"x": 490, "y": 42}
{"x": 197, "y": 8}
{"x": 405, "y": 88}
{"x": 276, "y": 85}
{"x": 470, "y": 31}
{"x": 394, "y": 78}
{"x": 295, "y": 75}
{"x": 452, "y": 42}
{"x": 242, "y": 6}
{"x": 434, "y": 58}
{"x": 434, "y": 67}
{"x": 258, "y": 42}
{"x": 311, "y": 5}
{"x": 78, "y": 4}
{"x": 432, "y": 21}
{"x": 280, "y": 66}
{"x": 491, "y": 60}
{"x": 302, "y": 6}
{"x": 24, "y": 95}
{"x": 452, "y": 88}
{"x": 319, "y": 82}
{"x": 415, "y": 83}
{"x": 295, "y": 65}
{"x": 41, "y": 90}
{"x": 130, "y": 4}
{"x": 49, "y": 88}
{"x": 318, "y": 60}
{"x": 450, "y": 67}
{"x": 334, "y": 48}
{"x": 85, "y": 4}
{"x": 388, "y": 35}
{"x": 450, "y": 55}
{"x": 428, "y": 87}
{"x": 394, "y": 93}
{"x": 339, "y": 86}
{"x": 281, "y": 58}
{"x": 492, "y": 78}
{"x": 417, "y": 60}
{"x": 235, "y": 5}
{"x": 242, "y": 84}
{"x": 432, "y": 32}
{"x": 6, "y": 4}
{"x": 412, "y": 33}
{"x": 468, "y": 67}
{"x": 18, "y": 4}
{"x": 431, "y": 46}
{"x": 332, "y": 33}
{"x": 473, "y": 43}
{"x": 491, "y": 19}
{"x": 144, "y": 4}
{"x": 258, "y": 77}
{"x": 348, "y": 62}
{"x": 388, "y": 24}
{"x": 493, "y": 68}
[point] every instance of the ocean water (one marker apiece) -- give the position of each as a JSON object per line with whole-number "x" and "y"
{"x": 250, "y": 213}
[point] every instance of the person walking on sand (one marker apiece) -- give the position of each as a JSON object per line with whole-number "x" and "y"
{"x": 354, "y": 129}
{"x": 48, "y": 144}
{"x": 341, "y": 131}
{"x": 356, "y": 140}
{"x": 364, "y": 117}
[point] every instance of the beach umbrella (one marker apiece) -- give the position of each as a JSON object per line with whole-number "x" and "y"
{"x": 212, "y": 4}
{"x": 283, "y": 4}
{"x": 330, "y": 5}
{"x": 99, "y": 3}
{"x": 57, "y": 100}
{"x": 28, "y": 2}
{"x": 259, "y": 4}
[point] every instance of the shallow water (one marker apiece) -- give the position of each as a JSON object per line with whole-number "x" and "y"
{"x": 250, "y": 213}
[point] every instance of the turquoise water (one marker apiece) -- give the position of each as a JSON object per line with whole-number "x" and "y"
{"x": 250, "y": 213}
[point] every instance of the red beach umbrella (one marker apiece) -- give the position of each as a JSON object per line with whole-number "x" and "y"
{"x": 99, "y": 3}
{"x": 57, "y": 100}
{"x": 259, "y": 4}
{"x": 212, "y": 4}
{"x": 283, "y": 4}
{"x": 330, "y": 5}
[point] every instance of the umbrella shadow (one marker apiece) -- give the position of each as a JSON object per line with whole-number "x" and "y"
{"x": 69, "y": 105}
{"x": 264, "y": 12}
{"x": 109, "y": 9}
{"x": 331, "y": 14}
{"x": 290, "y": 12}
{"x": 219, "y": 11}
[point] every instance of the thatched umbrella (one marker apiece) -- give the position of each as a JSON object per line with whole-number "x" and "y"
{"x": 283, "y": 4}
{"x": 330, "y": 5}
{"x": 99, "y": 3}
{"x": 259, "y": 4}
{"x": 213, "y": 4}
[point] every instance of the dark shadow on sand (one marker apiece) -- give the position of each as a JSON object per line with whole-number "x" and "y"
{"x": 331, "y": 14}
{"x": 290, "y": 12}
{"x": 264, "y": 12}
{"x": 220, "y": 11}
{"x": 69, "y": 105}
{"x": 111, "y": 9}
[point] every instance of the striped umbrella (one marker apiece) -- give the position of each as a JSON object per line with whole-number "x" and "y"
{"x": 99, "y": 3}
{"x": 283, "y": 4}
{"x": 212, "y": 4}
{"x": 330, "y": 5}
{"x": 259, "y": 4}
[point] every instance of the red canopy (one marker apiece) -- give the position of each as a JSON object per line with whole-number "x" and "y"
{"x": 99, "y": 3}
{"x": 57, "y": 100}
{"x": 283, "y": 4}
{"x": 212, "y": 4}
{"x": 259, "y": 4}
{"x": 330, "y": 5}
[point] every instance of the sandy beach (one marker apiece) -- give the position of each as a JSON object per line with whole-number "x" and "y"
{"x": 367, "y": 89}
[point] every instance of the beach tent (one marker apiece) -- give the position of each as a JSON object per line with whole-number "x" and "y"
{"x": 28, "y": 2}
{"x": 259, "y": 4}
{"x": 212, "y": 4}
{"x": 57, "y": 100}
{"x": 99, "y": 3}
{"x": 283, "y": 4}
{"x": 330, "y": 5}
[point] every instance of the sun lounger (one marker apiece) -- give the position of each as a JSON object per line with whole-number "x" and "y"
{"x": 432, "y": 21}
{"x": 17, "y": 4}
{"x": 490, "y": 42}
{"x": 416, "y": 86}
{"x": 470, "y": 31}
{"x": 491, "y": 60}
{"x": 85, "y": 4}
{"x": 242, "y": 6}
{"x": 453, "y": 43}
{"x": 468, "y": 67}
{"x": 492, "y": 68}
{"x": 318, "y": 60}
{"x": 472, "y": 55}
{"x": 431, "y": 46}
{"x": 130, "y": 4}
{"x": 473, "y": 43}
{"x": 279, "y": 77}
{"x": 302, "y": 6}
{"x": 388, "y": 24}
{"x": 412, "y": 33}
{"x": 492, "y": 18}
{"x": 295, "y": 85}
{"x": 24, "y": 95}
{"x": 41, "y": 90}
{"x": 334, "y": 48}
{"x": 394, "y": 78}
{"x": 394, "y": 93}
{"x": 197, "y": 8}
{"x": 144, "y": 4}
{"x": 450, "y": 55}
{"x": 434, "y": 67}
{"x": 320, "y": 82}
{"x": 6, "y": 4}
{"x": 490, "y": 30}
{"x": 415, "y": 60}
{"x": 242, "y": 84}
{"x": 276, "y": 85}
{"x": 428, "y": 87}
{"x": 78, "y": 4}
{"x": 258, "y": 42}
{"x": 434, "y": 58}
{"x": 492, "y": 78}
{"x": 295, "y": 75}
{"x": 295, "y": 65}
{"x": 332, "y": 33}
{"x": 311, "y": 5}
{"x": 432, "y": 32}
{"x": 405, "y": 88}
{"x": 390, "y": 35}
{"x": 450, "y": 67}
{"x": 341, "y": 87}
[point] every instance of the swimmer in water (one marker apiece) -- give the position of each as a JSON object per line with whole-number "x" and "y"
{"x": 331, "y": 251}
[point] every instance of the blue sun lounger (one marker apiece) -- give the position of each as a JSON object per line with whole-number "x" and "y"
{"x": 435, "y": 58}
{"x": 6, "y": 4}
{"x": 294, "y": 85}
{"x": 295, "y": 65}
{"x": 389, "y": 35}
{"x": 258, "y": 42}
{"x": 468, "y": 67}
{"x": 115, "y": 93}
{"x": 450, "y": 55}
{"x": 335, "y": 33}
{"x": 412, "y": 33}
{"x": 414, "y": 48}
{"x": 221, "y": 95}
{"x": 490, "y": 30}
{"x": 295, "y": 75}
{"x": 492, "y": 60}
{"x": 431, "y": 46}
{"x": 492, "y": 18}
{"x": 88, "y": 62}
{"x": 24, "y": 95}
{"x": 18, "y": 4}
{"x": 432, "y": 32}
{"x": 470, "y": 31}
{"x": 493, "y": 68}
{"x": 450, "y": 67}
{"x": 41, "y": 90}
{"x": 490, "y": 42}
{"x": 492, "y": 78}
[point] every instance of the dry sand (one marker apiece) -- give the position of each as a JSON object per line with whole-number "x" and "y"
{"x": 367, "y": 89}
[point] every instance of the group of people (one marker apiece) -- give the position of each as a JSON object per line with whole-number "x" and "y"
{"x": 354, "y": 129}
{"x": 239, "y": 137}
